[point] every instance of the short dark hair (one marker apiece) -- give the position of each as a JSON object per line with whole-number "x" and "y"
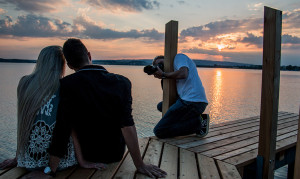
{"x": 75, "y": 52}
{"x": 158, "y": 57}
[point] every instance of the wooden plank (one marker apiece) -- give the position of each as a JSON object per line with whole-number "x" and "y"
{"x": 216, "y": 138}
{"x": 286, "y": 143}
{"x": 214, "y": 127}
{"x": 4, "y": 170}
{"x": 107, "y": 173}
{"x": 170, "y": 140}
{"x": 270, "y": 89}
{"x": 221, "y": 143}
{"x": 190, "y": 138}
{"x": 243, "y": 159}
{"x": 249, "y": 122}
{"x": 287, "y": 135}
{"x": 152, "y": 156}
{"x": 188, "y": 165}
{"x": 281, "y": 134}
{"x": 187, "y": 142}
{"x": 228, "y": 171}
{"x": 14, "y": 173}
{"x": 198, "y": 142}
{"x": 169, "y": 161}
{"x": 282, "y": 119}
{"x": 281, "y": 146}
{"x": 127, "y": 168}
{"x": 232, "y": 129}
{"x": 232, "y": 122}
{"x": 236, "y": 152}
{"x": 229, "y": 148}
{"x": 81, "y": 173}
{"x": 169, "y": 89}
{"x": 297, "y": 159}
{"x": 282, "y": 129}
{"x": 207, "y": 167}
{"x": 65, "y": 173}
{"x": 250, "y": 156}
{"x": 111, "y": 168}
{"x": 93, "y": 173}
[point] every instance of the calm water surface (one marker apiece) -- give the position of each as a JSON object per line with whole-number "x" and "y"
{"x": 232, "y": 94}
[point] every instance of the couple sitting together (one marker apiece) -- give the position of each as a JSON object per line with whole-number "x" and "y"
{"x": 86, "y": 118}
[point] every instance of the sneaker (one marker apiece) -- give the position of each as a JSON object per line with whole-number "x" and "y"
{"x": 204, "y": 125}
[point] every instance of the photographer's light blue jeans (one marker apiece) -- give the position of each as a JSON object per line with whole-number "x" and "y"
{"x": 182, "y": 118}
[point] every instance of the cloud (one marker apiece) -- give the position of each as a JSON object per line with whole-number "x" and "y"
{"x": 2, "y": 11}
{"x": 40, "y": 6}
{"x": 34, "y": 26}
{"x": 212, "y": 29}
{"x": 126, "y": 5}
{"x": 252, "y": 40}
{"x": 255, "y": 7}
{"x": 82, "y": 27}
{"x": 291, "y": 19}
{"x": 242, "y": 57}
{"x": 181, "y": 2}
{"x": 258, "y": 40}
{"x": 92, "y": 30}
{"x": 289, "y": 39}
{"x": 240, "y": 31}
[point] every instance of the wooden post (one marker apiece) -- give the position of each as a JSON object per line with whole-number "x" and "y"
{"x": 169, "y": 85}
{"x": 297, "y": 159}
{"x": 270, "y": 91}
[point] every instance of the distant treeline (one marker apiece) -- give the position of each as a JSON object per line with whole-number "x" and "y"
{"x": 17, "y": 60}
{"x": 259, "y": 67}
{"x": 144, "y": 62}
{"x": 229, "y": 66}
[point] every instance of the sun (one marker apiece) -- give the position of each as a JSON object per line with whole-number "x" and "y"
{"x": 220, "y": 47}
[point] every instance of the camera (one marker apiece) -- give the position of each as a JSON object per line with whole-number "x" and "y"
{"x": 150, "y": 69}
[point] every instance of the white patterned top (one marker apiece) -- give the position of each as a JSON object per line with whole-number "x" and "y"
{"x": 36, "y": 155}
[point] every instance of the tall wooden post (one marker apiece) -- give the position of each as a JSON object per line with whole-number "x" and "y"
{"x": 169, "y": 85}
{"x": 297, "y": 159}
{"x": 270, "y": 91}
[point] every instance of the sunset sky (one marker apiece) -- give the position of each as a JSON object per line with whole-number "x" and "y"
{"x": 219, "y": 30}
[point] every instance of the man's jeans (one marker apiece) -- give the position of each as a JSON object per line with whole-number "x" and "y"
{"x": 182, "y": 118}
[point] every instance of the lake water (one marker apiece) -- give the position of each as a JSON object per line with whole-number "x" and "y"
{"x": 232, "y": 94}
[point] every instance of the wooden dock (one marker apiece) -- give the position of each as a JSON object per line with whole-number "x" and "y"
{"x": 236, "y": 142}
{"x": 228, "y": 151}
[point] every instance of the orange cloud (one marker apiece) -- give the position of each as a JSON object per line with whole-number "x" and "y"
{"x": 29, "y": 48}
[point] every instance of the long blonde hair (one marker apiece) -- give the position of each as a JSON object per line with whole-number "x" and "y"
{"x": 36, "y": 89}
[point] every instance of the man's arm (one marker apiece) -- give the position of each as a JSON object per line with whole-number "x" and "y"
{"x": 182, "y": 73}
{"x": 82, "y": 162}
{"x": 130, "y": 135}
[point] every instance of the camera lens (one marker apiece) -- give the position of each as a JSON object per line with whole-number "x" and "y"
{"x": 150, "y": 69}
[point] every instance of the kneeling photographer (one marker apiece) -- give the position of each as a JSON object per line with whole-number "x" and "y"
{"x": 185, "y": 116}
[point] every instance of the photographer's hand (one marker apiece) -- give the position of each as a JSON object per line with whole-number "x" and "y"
{"x": 159, "y": 73}
{"x": 182, "y": 73}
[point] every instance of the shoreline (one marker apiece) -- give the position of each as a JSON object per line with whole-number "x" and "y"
{"x": 144, "y": 62}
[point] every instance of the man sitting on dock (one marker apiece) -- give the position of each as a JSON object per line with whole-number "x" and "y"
{"x": 185, "y": 116}
{"x": 97, "y": 106}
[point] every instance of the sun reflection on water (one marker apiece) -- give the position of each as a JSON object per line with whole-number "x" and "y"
{"x": 216, "y": 104}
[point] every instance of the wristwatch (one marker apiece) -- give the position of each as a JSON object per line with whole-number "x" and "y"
{"x": 163, "y": 76}
{"x": 48, "y": 171}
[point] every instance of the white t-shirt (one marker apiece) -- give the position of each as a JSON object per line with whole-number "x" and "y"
{"x": 191, "y": 88}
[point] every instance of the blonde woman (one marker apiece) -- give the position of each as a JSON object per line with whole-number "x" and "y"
{"x": 38, "y": 98}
